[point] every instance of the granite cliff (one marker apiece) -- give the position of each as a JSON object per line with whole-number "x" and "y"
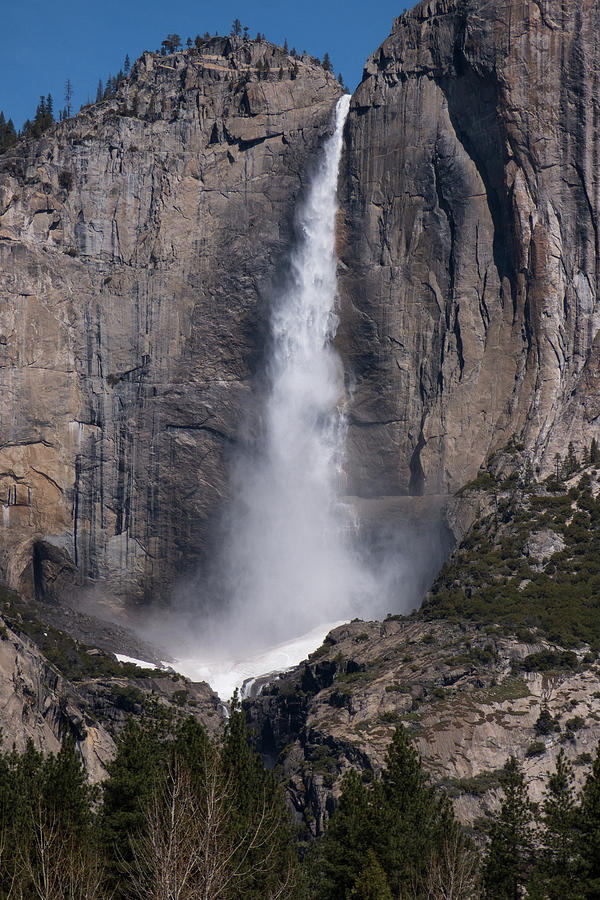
{"x": 470, "y": 243}
{"x": 138, "y": 244}
{"x": 469, "y": 697}
{"x": 141, "y": 240}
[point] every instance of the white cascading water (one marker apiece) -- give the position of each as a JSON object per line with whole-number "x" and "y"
{"x": 291, "y": 569}
{"x": 290, "y": 558}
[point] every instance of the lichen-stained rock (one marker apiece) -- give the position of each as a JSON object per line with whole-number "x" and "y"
{"x": 470, "y": 241}
{"x": 138, "y": 244}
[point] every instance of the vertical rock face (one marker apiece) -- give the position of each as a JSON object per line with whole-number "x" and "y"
{"x": 471, "y": 241}
{"x": 140, "y": 239}
{"x": 138, "y": 244}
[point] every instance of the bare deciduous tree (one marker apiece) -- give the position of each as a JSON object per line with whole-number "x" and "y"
{"x": 453, "y": 872}
{"x": 188, "y": 849}
{"x": 54, "y": 864}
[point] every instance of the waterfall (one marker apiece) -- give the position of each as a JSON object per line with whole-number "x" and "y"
{"x": 289, "y": 566}
{"x": 290, "y": 559}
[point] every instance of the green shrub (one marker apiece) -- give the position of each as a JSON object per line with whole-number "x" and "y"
{"x": 545, "y": 723}
{"x": 575, "y": 723}
{"x": 536, "y": 748}
{"x": 180, "y": 698}
{"x": 547, "y": 660}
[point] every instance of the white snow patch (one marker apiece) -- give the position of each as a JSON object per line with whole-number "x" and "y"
{"x": 137, "y": 662}
{"x": 224, "y": 676}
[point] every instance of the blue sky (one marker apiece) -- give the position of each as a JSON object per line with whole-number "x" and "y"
{"x": 45, "y": 43}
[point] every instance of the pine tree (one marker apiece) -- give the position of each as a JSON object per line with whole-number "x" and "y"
{"x": 236, "y": 28}
{"x": 20, "y": 786}
{"x": 508, "y": 859}
{"x": 258, "y": 820}
{"x": 111, "y": 86}
{"x": 571, "y": 463}
{"x": 127, "y": 64}
{"x": 99, "y": 91}
{"x": 171, "y": 44}
{"x": 327, "y": 63}
{"x": 557, "y": 864}
{"x": 588, "y": 837}
{"x": 8, "y": 135}
{"x": 336, "y": 862}
{"x": 415, "y": 820}
{"x": 400, "y": 818}
{"x": 47, "y": 837}
{"x": 545, "y": 723}
{"x": 371, "y": 884}
{"x": 594, "y": 453}
{"x": 66, "y": 790}
{"x": 68, "y": 97}
{"x": 43, "y": 119}
{"x": 133, "y": 775}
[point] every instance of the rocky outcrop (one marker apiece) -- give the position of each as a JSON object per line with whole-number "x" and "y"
{"x": 139, "y": 241}
{"x": 470, "y": 241}
{"x": 38, "y": 704}
{"x": 470, "y": 697}
{"x": 51, "y": 685}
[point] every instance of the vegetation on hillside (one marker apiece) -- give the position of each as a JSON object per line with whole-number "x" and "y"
{"x": 72, "y": 658}
{"x": 179, "y": 816}
{"x": 495, "y": 577}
